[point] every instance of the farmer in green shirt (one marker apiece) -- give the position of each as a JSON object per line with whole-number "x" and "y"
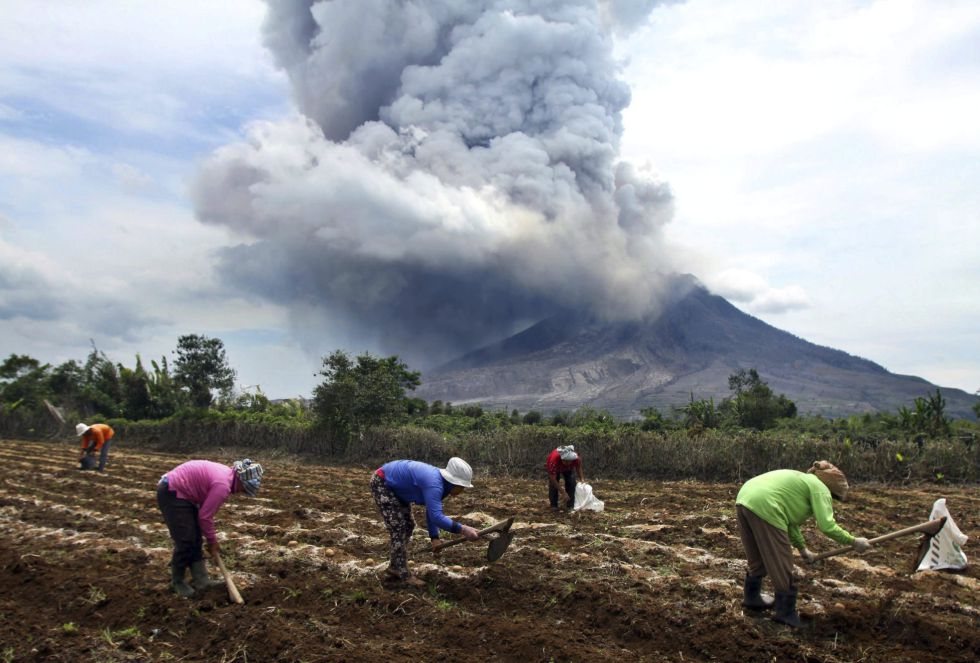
{"x": 771, "y": 507}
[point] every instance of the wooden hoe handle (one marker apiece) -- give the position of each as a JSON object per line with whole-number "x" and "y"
{"x": 502, "y": 526}
{"x": 229, "y": 583}
{"x": 931, "y": 527}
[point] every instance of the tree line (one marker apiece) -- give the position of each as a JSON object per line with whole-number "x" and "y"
{"x": 97, "y": 386}
{"x": 360, "y": 392}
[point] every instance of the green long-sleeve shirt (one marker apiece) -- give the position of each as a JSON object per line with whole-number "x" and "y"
{"x": 786, "y": 498}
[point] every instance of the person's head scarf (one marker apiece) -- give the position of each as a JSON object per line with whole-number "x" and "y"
{"x": 832, "y": 477}
{"x": 249, "y": 475}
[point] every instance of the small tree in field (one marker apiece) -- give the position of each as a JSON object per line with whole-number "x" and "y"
{"x": 202, "y": 366}
{"x": 361, "y": 392}
{"x": 754, "y": 405}
{"x": 929, "y": 416}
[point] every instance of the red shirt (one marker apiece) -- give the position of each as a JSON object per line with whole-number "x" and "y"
{"x": 556, "y": 465}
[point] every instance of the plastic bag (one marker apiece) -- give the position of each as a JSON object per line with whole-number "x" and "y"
{"x": 945, "y": 550}
{"x": 584, "y": 499}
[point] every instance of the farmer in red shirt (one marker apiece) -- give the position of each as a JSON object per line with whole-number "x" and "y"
{"x": 565, "y": 462}
{"x": 95, "y": 439}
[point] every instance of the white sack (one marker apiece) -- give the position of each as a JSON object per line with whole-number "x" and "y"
{"x": 945, "y": 551}
{"x": 584, "y": 499}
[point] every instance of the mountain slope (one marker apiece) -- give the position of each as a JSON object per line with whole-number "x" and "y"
{"x": 697, "y": 341}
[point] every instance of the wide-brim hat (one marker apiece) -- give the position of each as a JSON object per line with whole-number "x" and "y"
{"x": 458, "y": 472}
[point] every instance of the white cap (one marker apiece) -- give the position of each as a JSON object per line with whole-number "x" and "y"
{"x": 81, "y": 428}
{"x": 458, "y": 472}
{"x": 567, "y": 453}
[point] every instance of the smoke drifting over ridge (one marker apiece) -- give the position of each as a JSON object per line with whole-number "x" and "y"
{"x": 453, "y": 177}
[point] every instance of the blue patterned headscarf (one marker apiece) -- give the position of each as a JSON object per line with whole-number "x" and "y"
{"x": 249, "y": 475}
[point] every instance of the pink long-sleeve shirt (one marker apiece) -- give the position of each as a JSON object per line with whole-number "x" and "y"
{"x": 206, "y": 485}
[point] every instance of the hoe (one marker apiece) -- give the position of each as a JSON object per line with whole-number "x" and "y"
{"x": 233, "y": 593}
{"x": 497, "y": 545}
{"x": 930, "y": 529}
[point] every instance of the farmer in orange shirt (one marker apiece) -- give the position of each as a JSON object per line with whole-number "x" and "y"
{"x": 95, "y": 438}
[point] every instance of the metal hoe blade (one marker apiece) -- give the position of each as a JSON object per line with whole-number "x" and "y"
{"x": 498, "y": 546}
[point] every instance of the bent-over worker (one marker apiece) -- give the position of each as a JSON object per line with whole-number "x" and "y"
{"x": 564, "y": 462}
{"x": 399, "y": 484}
{"x": 771, "y": 507}
{"x": 95, "y": 439}
{"x": 188, "y": 496}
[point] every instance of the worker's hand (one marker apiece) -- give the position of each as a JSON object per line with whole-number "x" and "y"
{"x": 435, "y": 546}
{"x": 214, "y": 549}
{"x": 469, "y": 533}
{"x": 807, "y": 556}
{"x": 861, "y": 544}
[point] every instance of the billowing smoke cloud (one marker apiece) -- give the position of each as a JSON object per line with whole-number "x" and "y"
{"x": 454, "y": 175}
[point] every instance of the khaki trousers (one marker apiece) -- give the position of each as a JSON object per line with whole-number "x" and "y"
{"x": 767, "y": 549}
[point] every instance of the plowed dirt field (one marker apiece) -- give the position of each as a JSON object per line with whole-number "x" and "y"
{"x": 657, "y": 576}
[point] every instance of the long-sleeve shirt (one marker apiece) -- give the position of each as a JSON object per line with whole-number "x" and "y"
{"x": 419, "y": 483}
{"x": 97, "y": 434}
{"x": 556, "y": 465}
{"x": 206, "y": 485}
{"x": 786, "y": 499}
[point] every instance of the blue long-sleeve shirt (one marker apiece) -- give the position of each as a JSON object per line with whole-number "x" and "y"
{"x": 419, "y": 483}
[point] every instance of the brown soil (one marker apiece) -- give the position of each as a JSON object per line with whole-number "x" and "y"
{"x": 657, "y": 576}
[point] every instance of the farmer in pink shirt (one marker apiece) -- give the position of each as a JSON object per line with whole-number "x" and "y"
{"x": 188, "y": 496}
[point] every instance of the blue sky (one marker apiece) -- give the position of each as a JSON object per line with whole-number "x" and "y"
{"x": 823, "y": 158}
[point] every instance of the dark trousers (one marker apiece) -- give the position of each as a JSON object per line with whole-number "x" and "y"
{"x": 104, "y": 455}
{"x": 571, "y": 479}
{"x": 181, "y": 518}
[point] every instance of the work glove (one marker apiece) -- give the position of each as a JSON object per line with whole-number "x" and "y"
{"x": 807, "y": 556}
{"x": 861, "y": 544}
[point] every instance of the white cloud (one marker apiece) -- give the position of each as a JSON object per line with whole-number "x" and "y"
{"x": 831, "y": 148}
{"x": 751, "y": 290}
{"x": 9, "y": 113}
{"x": 141, "y": 67}
{"x": 104, "y": 109}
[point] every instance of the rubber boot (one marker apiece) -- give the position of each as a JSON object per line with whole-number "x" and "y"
{"x": 786, "y": 609}
{"x": 180, "y": 587}
{"x": 200, "y": 579}
{"x": 753, "y": 598}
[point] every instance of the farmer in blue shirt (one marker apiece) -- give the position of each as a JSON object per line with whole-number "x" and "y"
{"x": 399, "y": 484}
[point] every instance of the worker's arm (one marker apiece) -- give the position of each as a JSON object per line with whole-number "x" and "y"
{"x": 217, "y": 494}
{"x": 90, "y": 442}
{"x": 795, "y": 537}
{"x": 581, "y": 474}
{"x": 552, "y": 468}
{"x": 823, "y": 513}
